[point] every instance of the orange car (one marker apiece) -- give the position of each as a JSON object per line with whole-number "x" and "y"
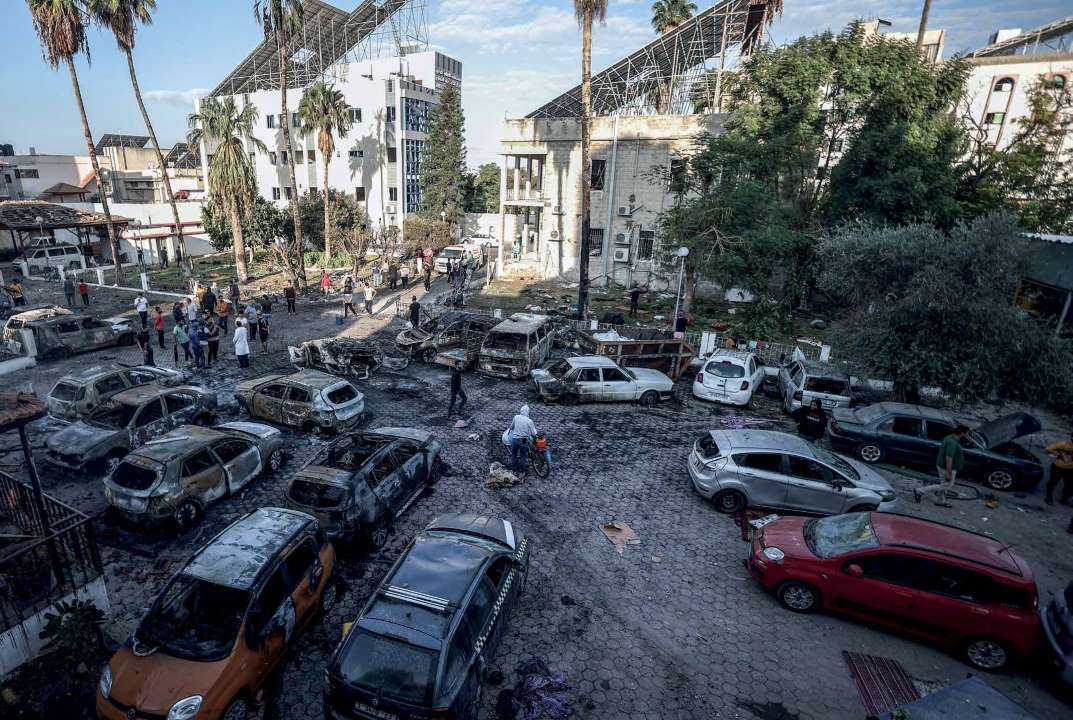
{"x": 220, "y": 626}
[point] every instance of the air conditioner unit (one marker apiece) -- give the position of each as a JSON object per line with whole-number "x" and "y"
{"x": 622, "y": 254}
{"x": 625, "y": 211}
{"x": 557, "y": 210}
{"x": 621, "y": 239}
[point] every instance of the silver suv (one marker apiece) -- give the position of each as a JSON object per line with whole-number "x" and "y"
{"x": 740, "y": 468}
{"x": 803, "y": 381}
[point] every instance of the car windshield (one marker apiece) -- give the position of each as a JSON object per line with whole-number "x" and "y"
{"x": 380, "y": 664}
{"x": 836, "y": 462}
{"x": 316, "y": 495}
{"x": 68, "y": 391}
{"x": 505, "y": 341}
{"x": 115, "y": 416}
{"x": 840, "y": 534}
{"x": 134, "y": 477}
{"x": 558, "y": 369}
{"x": 828, "y": 386}
{"x": 194, "y": 619}
{"x": 725, "y": 369}
{"x": 342, "y": 394}
{"x": 450, "y": 253}
{"x": 870, "y": 413}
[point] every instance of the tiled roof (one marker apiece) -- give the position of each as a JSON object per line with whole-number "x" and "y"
{"x": 23, "y": 214}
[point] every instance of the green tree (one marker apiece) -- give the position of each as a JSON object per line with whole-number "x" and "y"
{"x": 443, "y": 162}
{"x": 61, "y": 27}
{"x": 324, "y": 111}
{"x": 482, "y": 189}
{"x": 122, "y": 17}
{"x": 346, "y": 216}
{"x": 231, "y": 179}
{"x": 669, "y": 14}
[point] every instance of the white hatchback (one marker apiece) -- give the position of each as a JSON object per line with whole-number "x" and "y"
{"x": 729, "y": 376}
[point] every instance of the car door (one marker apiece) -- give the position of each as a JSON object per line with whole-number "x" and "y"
{"x": 451, "y": 337}
{"x": 411, "y": 472}
{"x": 756, "y": 373}
{"x": 150, "y": 421}
{"x": 589, "y": 386}
{"x": 268, "y": 401}
{"x": 791, "y": 379}
{"x": 97, "y": 333}
{"x": 304, "y": 577}
{"x": 813, "y": 487}
{"x": 71, "y": 335}
{"x": 764, "y": 476}
{"x": 952, "y": 601}
{"x": 388, "y": 483}
{"x": 105, "y": 388}
{"x": 241, "y": 461}
{"x": 617, "y": 385}
{"x": 181, "y": 406}
{"x": 271, "y": 624}
{"x": 296, "y": 406}
{"x": 201, "y": 476}
{"x": 902, "y": 439}
{"x": 876, "y": 585}
{"x": 506, "y": 585}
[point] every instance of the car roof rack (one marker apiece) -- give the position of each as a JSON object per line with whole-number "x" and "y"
{"x": 431, "y": 602}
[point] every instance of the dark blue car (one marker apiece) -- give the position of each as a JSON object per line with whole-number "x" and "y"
{"x": 420, "y": 647}
{"x": 909, "y": 435}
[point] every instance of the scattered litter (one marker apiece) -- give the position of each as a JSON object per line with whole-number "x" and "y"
{"x": 567, "y": 601}
{"x": 882, "y": 683}
{"x": 657, "y": 558}
{"x": 992, "y": 504}
{"x": 459, "y": 424}
{"x": 659, "y": 317}
{"x": 501, "y": 477}
{"x": 474, "y": 436}
{"x": 538, "y": 694}
{"x": 620, "y": 534}
{"x": 737, "y": 422}
{"x": 609, "y": 335}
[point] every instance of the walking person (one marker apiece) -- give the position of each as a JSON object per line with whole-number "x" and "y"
{"x": 428, "y": 277}
{"x": 223, "y": 312}
{"x": 948, "y": 464}
{"x": 158, "y": 325}
{"x": 348, "y": 301}
{"x": 146, "y": 347}
{"x": 811, "y": 421}
{"x": 369, "y": 295}
{"x": 83, "y": 290}
{"x": 182, "y": 340}
{"x": 635, "y": 298}
{"x": 393, "y": 275}
{"x": 191, "y": 311}
{"x": 521, "y": 432}
{"x": 142, "y": 306}
{"x": 325, "y": 283}
{"x": 290, "y": 296}
{"x": 178, "y": 311}
{"x": 404, "y": 274}
{"x": 69, "y": 291}
{"x": 415, "y": 312}
{"x": 208, "y": 302}
{"x": 456, "y": 391}
{"x": 163, "y": 257}
{"x": 241, "y": 341}
{"x": 250, "y": 311}
{"x": 233, "y": 292}
{"x": 196, "y": 345}
{"x": 212, "y": 337}
{"x": 1061, "y": 471}
{"x": 376, "y": 275}
{"x": 262, "y": 332}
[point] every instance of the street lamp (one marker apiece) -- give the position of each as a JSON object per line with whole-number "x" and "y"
{"x": 683, "y": 253}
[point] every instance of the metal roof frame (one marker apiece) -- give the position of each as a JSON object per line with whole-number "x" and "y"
{"x": 1055, "y": 36}
{"x": 121, "y": 140}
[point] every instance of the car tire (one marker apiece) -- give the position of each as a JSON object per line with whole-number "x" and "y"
{"x": 275, "y": 461}
{"x": 870, "y": 453}
{"x": 239, "y": 709}
{"x": 798, "y": 597}
{"x": 863, "y": 508}
{"x": 1001, "y": 479}
{"x": 729, "y": 502}
{"x": 187, "y": 515}
{"x": 329, "y": 597}
{"x": 380, "y": 535}
{"x": 649, "y": 398}
{"x": 987, "y": 654}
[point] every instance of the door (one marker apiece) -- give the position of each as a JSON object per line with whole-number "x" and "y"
{"x": 270, "y": 624}
{"x": 201, "y": 476}
{"x": 812, "y": 486}
{"x": 268, "y": 402}
{"x": 764, "y": 477}
{"x": 451, "y": 337}
{"x": 791, "y": 379}
{"x": 902, "y": 439}
{"x": 387, "y": 482}
{"x": 883, "y": 592}
{"x": 412, "y": 472}
{"x": 97, "y": 333}
{"x": 756, "y": 373}
{"x": 70, "y": 335}
{"x": 241, "y": 461}
{"x": 953, "y": 602}
{"x": 617, "y": 386}
{"x": 504, "y": 579}
{"x": 296, "y": 407}
{"x": 589, "y": 386}
{"x": 148, "y": 423}
{"x": 182, "y": 408}
{"x": 304, "y": 577}
{"x": 106, "y": 388}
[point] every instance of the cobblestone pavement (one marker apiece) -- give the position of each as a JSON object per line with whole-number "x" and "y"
{"x": 670, "y": 628}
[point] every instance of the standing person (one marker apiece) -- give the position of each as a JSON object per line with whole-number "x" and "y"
{"x": 393, "y": 275}
{"x": 158, "y": 325}
{"x": 348, "y": 285}
{"x": 415, "y": 312}
{"x": 635, "y": 297}
{"x": 146, "y": 346}
{"x": 142, "y": 306}
{"x": 456, "y": 391}
{"x": 163, "y": 257}
{"x": 266, "y": 302}
{"x": 521, "y": 432}
{"x": 69, "y": 291}
{"x": 428, "y": 276}
{"x": 348, "y": 301}
{"x": 250, "y": 311}
{"x": 262, "y": 332}
{"x": 1061, "y": 471}
{"x": 680, "y": 324}
{"x": 83, "y": 290}
{"x": 404, "y": 274}
{"x": 241, "y": 342}
{"x": 223, "y": 312}
{"x": 178, "y": 254}
{"x": 182, "y": 340}
{"x": 208, "y": 302}
{"x": 383, "y": 271}
{"x": 191, "y": 311}
{"x": 18, "y": 295}
{"x": 376, "y": 275}
{"x": 196, "y": 346}
{"x": 325, "y": 283}
{"x": 948, "y": 464}
{"x": 811, "y": 421}
{"x": 290, "y": 296}
{"x": 178, "y": 311}
{"x": 233, "y": 292}
{"x": 369, "y": 294}
{"x": 212, "y": 337}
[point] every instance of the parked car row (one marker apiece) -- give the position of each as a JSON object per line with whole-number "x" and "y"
{"x": 58, "y": 333}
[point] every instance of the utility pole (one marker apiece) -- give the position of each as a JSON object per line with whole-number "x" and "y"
{"x": 923, "y": 24}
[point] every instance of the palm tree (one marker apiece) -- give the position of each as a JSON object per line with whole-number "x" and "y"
{"x": 323, "y": 110}
{"x": 231, "y": 177}
{"x": 282, "y": 20}
{"x": 61, "y": 26}
{"x": 669, "y": 14}
{"x": 586, "y": 11}
{"x": 123, "y": 17}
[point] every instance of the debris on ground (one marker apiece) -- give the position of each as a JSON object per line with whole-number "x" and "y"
{"x": 501, "y": 477}
{"x": 609, "y": 336}
{"x": 474, "y": 436}
{"x": 738, "y": 422}
{"x": 620, "y": 534}
{"x": 537, "y": 695}
{"x": 460, "y": 423}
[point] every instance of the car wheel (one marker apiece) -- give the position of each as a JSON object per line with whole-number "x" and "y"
{"x": 798, "y": 597}
{"x": 987, "y": 654}
{"x": 870, "y": 453}
{"x": 1001, "y": 479}
{"x": 649, "y": 398}
{"x": 187, "y": 515}
{"x": 380, "y": 535}
{"x": 729, "y": 502}
{"x": 237, "y": 710}
{"x": 276, "y": 460}
{"x": 862, "y": 508}
{"x": 329, "y": 597}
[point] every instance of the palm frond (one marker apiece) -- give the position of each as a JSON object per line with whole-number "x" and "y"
{"x": 61, "y": 27}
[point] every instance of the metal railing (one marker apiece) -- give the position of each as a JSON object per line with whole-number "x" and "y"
{"x": 532, "y": 194}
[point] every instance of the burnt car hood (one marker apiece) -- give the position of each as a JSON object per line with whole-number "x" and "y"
{"x": 326, "y": 475}
{"x": 78, "y": 438}
{"x": 412, "y": 336}
{"x": 1008, "y": 427}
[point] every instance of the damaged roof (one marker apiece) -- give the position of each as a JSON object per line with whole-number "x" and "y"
{"x": 236, "y": 557}
{"x": 178, "y": 442}
{"x": 521, "y": 323}
{"x": 43, "y": 312}
{"x": 23, "y": 214}
{"x": 91, "y": 373}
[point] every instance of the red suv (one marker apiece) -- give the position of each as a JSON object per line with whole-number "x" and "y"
{"x": 966, "y": 591}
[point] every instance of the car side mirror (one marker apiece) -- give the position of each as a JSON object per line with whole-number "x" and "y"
{"x": 854, "y": 570}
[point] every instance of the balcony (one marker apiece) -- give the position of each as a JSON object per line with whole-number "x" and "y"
{"x": 524, "y": 196}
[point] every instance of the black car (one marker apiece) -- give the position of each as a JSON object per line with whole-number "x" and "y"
{"x": 910, "y": 435}
{"x": 420, "y": 647}
{"x": 1058, "y": 632}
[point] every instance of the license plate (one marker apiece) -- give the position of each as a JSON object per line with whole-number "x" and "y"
{"x": 761, "y": 522}
{"x": 374, "y": 712}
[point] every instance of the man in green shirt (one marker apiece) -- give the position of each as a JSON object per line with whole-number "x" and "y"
{"x": 948, "y": 464}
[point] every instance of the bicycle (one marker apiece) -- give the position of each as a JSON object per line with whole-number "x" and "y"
{"x": 538, "y": 454}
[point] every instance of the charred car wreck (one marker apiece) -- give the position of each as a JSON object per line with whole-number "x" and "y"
{"x": 346, "y": 357}
{"x": 452, "y": 331}
{"x": 515, "y": 346}
{"x": 309, "y": 399}
{"x": 77, "y": 394}
{"x": 59, "y": 333}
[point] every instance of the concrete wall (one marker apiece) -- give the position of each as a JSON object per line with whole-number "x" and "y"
{"x": 197, "y": 242}
{"x": 52, "y": 169}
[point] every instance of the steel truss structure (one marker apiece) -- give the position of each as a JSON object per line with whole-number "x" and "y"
{"x": 1054, "y": 37}
{"x": 329, "y": 40}
{"x": 680, "y": 72}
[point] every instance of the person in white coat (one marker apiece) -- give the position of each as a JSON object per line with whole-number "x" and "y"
{"x": 241, "y": 341}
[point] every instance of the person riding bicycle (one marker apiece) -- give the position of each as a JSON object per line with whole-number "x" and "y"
{"x": 521, "y": 432}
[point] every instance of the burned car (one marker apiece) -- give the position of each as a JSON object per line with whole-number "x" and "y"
{"x": 80, "y": 392}
{"x": 59, "y": 333}
{"x": 178, "y": 475}
{"x": 341, "y": 356}
{"x": 592, "y": 378}
{"x": 97, "y": 443}
{"x": 454, "y": 329}
{"x": 309, "y": 399}
{"x": 359, "y": 484}
{"x": 515, "y": 346}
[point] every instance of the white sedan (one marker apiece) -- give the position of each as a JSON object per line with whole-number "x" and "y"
{"x": 593, "y": 378}
{"x": 729, "y": 376}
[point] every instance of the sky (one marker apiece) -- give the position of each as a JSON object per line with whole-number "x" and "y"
{"x": 515, "y": 55}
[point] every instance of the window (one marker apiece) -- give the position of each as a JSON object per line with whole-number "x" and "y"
{"x": 272, "y": 157}
{"x": 312, "y": 189}
{"x": 796, "y": 374}
{"x": 678, "y": 176}
{"x": 725, "y": 369}
{"x": 178, "y": 402}
{"x": 28, "y": 174}
{"x": 938, "y": 430}
{"x": 299, "y": 157}
{"x": 461, "y": 650}
{"x": 275, "y": 193}
{"x": 269, "y": 600}
{"x": 939, "y": 578}
{"x": 416, "y": 114}
{"x": 198, "y": 463}
{"x": 149, "y": 414}
{"x": 391, "y": 113}
{"x": 298, "y": 563}
{"x": 907, "y": 426}
{"x": 498, "y": 571}
{"x": 646, "y": 242}
{"x": 1004, "y": 85}
{"x": 311, "y": 156}
{"x": 392, "y": 155}
{"x": 828, "y": 386}
{"x": 270, "y": 121}
{"x": 141, "y": 377}
{"x": 894, "y": 569}
{"x": 599, "y": 174}
{"x": 994, "y": 118}
{"x": 768, "y": 462}
{"x": 295, "y": 120}
{"x": 342, "y": 394}
{"x": 480, "y": 607}
{"x": 359, "y": 194}
{"x": 230, "y": 449}
{"x": 274, "y": 391}
{"x": 283, "y": 156}
{"x": 355, "y": 114}
{"x": 109, "y": 385}
{"x": 808, "y": 469}
{"x": 288, "y": 192}
{"x": 393, "y": 194}
{"x": 589, "y": 375}
{"x": 413, "y": 149}
{"x": 356, "y": 153}
{"x": 245, "y": 99}
{"x": 614, "y": 375}
{"x": 596, "y": 242}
